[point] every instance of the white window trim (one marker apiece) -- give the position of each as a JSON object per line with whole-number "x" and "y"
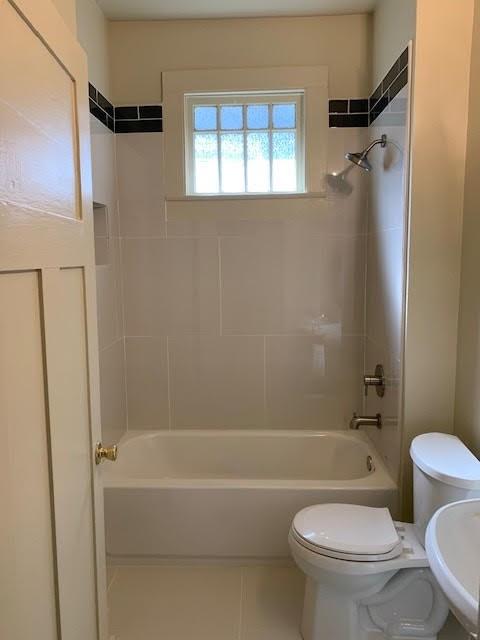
{"x": 260, "y": 97}
{"x": 313, "y": 81}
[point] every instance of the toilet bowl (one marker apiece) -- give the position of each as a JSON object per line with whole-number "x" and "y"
{"x": 367, "y": 576}
{"x": 378, "y": 585}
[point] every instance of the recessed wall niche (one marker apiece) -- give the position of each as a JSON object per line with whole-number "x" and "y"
{"x": 101, "y": 234}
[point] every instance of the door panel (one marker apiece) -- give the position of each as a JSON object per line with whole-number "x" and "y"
{"x": 52, "y": 554}
{"x": 40, "y": 134}
{"x": 27, "y": 587}
{"x": 68, "y": 398}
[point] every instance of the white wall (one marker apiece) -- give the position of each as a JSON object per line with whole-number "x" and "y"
{"x": 393, "y": 28}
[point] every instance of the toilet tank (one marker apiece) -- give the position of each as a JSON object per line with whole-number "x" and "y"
{"x": 444, "y": 471}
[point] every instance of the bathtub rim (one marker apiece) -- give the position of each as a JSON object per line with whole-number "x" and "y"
{"x": 380, "y": 479}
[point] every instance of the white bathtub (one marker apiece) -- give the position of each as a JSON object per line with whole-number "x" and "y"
{"x": 231, "y": 494}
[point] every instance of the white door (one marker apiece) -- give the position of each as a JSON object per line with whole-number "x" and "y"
{"x": 52, "y": 559}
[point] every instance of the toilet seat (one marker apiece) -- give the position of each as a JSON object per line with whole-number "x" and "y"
{"x": 412, "y": 556}
{"x": 348, "y": 532}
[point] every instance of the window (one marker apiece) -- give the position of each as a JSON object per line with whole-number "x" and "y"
{"x": 244, "y": 143}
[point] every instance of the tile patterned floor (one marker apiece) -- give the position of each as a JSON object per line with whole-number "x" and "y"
{"x": 199, "y": 602}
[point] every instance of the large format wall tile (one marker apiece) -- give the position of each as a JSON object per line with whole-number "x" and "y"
{"x": 385, "y": 282}
{"x": 170, "y": 286}
{"x": 346, "y": 185}
{"x": 292, "y": 283}
{"x": 147, "y": 383}
{"x": 112, "y": 392}
{"x": 388, "y": 438}
{"x": 321, "y": 215}
{"x": 109, "y": 304}
{"x": 109, "y": 300}
{"x": 313, "y": 382}
{"x": 104, "y": 179}
{"x": 217, "y": 382}
{"x": 140, "y": 185}
{"x": 107, "y": 307}
{"x": 386, "y": 272}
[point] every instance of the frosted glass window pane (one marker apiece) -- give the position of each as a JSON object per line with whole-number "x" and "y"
{"x": 206, "y": 163}
{"x": 258, "y": 162}
{"x": 231, "y": 117}
{"x": 283, "y": 116}
{"x": 257, "y": 116}
{"x": 205, "y": 118}
{"x": 284, "y": 173}
{"x": 233, "y": 171}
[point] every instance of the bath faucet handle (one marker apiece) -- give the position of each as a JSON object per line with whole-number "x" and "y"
{"x": 376, "y": 380}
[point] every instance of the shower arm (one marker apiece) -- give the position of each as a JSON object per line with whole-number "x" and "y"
{"x": 381, "y": 141}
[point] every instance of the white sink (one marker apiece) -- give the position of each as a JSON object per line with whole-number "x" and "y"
{"x": 453, "y": 548}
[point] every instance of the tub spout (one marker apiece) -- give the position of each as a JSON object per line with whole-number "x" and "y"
{"x": 366, "y": 421}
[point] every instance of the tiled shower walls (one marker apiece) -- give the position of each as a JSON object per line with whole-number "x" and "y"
{"x": 109, "y": 299}
{"x": 241, "y": 313}
{"x": 386, "y": 273}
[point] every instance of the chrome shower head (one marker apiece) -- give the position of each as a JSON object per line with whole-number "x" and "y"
{"x": 361, "y": 159}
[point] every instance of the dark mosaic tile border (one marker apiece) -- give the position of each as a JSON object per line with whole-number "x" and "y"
{"x": 131, "y": 119}
{"x": 100, "y": 107}
{"x": 352, "y": 112}
{"x": 362, "y": 112}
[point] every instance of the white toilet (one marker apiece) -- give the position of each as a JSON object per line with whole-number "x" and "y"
{"x": 368, "y": 576}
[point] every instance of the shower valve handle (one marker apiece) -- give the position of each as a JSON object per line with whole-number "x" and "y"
{"x": 377, "y": 381}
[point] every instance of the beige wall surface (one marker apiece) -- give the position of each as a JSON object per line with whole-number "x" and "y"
{"x": 438, "y": 152}
{"x": 393, "y": 27}
{"x": 92, "y": 35}
{"x": 467, "y": 405}
{"x": 67, "y": 9}
{"x": 140, "y": 51}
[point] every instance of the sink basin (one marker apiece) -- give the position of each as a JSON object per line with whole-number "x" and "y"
{"x": 453, "y": 549}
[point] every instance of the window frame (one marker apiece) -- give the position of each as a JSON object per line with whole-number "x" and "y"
{"x": 244, "y": 98}
{"x": 313, "y": 80}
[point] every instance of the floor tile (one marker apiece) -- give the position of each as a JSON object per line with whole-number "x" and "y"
{"x": 175, "y": 603}
{"x": 272, "y": 603}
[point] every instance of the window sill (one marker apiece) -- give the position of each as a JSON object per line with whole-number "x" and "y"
{"x": 249, "y": 196}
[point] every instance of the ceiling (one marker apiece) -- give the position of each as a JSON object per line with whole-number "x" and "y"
{"x": 194, "y": 9}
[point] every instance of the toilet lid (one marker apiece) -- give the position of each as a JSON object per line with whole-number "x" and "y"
{"x": 348, "y": 528}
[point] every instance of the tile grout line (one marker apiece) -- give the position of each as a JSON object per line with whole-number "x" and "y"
{"x": 264, "y": 381}
{"x": 124, "y": 327}
{"x": 119, "y": 270}
{"x": 248, "y": 335}
{"x": 220, "y": 296}
{"x": 110, "y": 344}
{"x": 240, "y": 608}
{"x": 169, "y": 400}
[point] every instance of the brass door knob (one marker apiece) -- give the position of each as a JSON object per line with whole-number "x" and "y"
{"x": 105, "y": 453}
